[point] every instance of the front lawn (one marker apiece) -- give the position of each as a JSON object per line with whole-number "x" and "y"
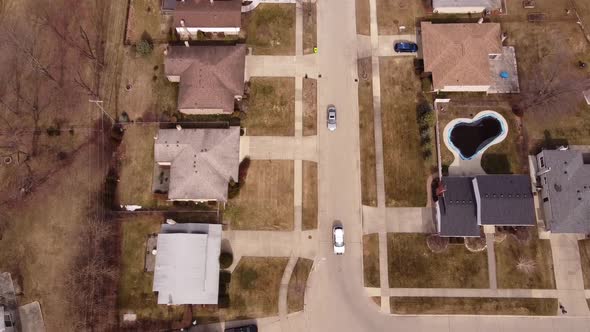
{"x": 310, "y": 106}
{"x": 145, "y": 20}
{"x": 265, "y": 201}
{"x": 413, "y": 265}
{"x": 270, "y": 29}
{"x": 298, "y": 284}
{"x": 310, "y": 35}
{"x": 406, "y": 156}
{"x": 271, "y": 107}
{"x": 535, "y": 251}
{"x": 371, "y": 260}
{"x": 363, "y": 17}
{"x": 473, "y": 306}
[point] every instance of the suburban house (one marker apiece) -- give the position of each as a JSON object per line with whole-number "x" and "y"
{"x": 466, "y": 203}
{"x": 469, "y": 57}
{"x": 196, "y": 164}
{"x": 191, "y": 16}
{"x": 465, "y": 6}
{"x": 564, "y": 179}
{"x": 187, "y": 264}
{"x": 211, "y": 78}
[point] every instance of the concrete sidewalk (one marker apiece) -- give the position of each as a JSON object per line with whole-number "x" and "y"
{"x": 281, "y": 66}
{"x": 398, "y": 220}
{"x": 279, "y": 148}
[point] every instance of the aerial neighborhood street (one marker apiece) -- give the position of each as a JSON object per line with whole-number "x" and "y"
{"x": 295, "y": 165}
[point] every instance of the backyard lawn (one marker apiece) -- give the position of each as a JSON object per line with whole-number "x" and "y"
{"x": 265, "y": 201}
{"x": 146, "y": 20}
{"x": 298, "y": 284}
{"x": 507, "y": 157}
{"x": 367, "y": 133}
{"x": 584, "y": 246}
{"x": 363, "y": 17}
{"x": 512, "y": 251}
{"x": 405, "y": 159}
{"x": 271, "y": 107}
{"x": 473, "y": 306}
{"x": 413, "y": 265}
{"x": 135, "y": 293}
{"x": 310, "y": 35}
{"x": 371, "y": 260}
{"x": 310, "y": 195}
{"x": 136, "y": 168}
{"x": 393, "y": 14}
{"x": 270, "y": 29}
{"x": 310, "y": 106}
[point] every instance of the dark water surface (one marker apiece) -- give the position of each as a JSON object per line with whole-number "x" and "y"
{"x": 469, "y": 138}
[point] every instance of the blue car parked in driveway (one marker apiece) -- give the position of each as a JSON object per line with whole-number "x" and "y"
{"x": 405, "y": 47}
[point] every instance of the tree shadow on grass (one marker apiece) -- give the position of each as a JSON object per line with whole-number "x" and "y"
{"x": 496, "y": 163}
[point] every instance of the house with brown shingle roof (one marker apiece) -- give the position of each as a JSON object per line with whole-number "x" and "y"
{"x": 211, "y": 77}
{"x": 196, "y": 164}
{"x": 191, "y": 16}
{"x": 468, "y": 57}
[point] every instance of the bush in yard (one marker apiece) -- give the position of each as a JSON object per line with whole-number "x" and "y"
{"x": 436, "y": 243}
{"x": 224, "y": 277}
{"x": 223, "y": 301}
{"x": 475, "y": 244}
{"x": 233, "y": 189}
{"x": 225, "y": 260}
{"x": 144, "y": 47}
{"x": 243, "y": 172}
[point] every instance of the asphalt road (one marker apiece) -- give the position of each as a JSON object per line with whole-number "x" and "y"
{"x": 336, "y": 299}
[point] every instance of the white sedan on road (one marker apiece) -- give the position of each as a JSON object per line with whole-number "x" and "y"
{"x": 338, "y": 237}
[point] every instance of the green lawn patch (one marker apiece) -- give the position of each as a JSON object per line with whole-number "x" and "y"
{"x": 271, "y": 107}
{"x": 473, "y": 306}
{"x": 371, "y": 260}
{"x": 511, "y": 252}
{"x": 270, "y": 29}
{"x": 413, "y": 265}
{"x": 298, "y": 284}
{"x": 367, "y": 133}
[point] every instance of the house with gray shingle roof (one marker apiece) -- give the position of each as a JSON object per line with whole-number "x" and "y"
{"x": 467, "y": 203}
{"x": 564, "y": 179}
{"x": 210, "y": 78}
{"x": 196, "y": 164}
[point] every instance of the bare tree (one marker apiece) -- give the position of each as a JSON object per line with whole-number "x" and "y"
{"x": 555, "y": 85}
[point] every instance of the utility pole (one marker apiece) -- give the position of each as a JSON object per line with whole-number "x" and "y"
{"x": 99, "y": 104}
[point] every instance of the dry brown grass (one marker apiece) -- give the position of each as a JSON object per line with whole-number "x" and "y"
{"x": 310, "y": 106}
{"x": 363, "y": 17}
{"x": 584, "y": 246}
{"x": 508, "y": 254}
{"x": 145, "y": 17}
{"x": 136, "y": 157}
{"x": 367, "y": 133}
{"x": 473, "y": 306}
{"x": 271, "y": 107}
{"x": 413, "y": 265}
{"x": 310, "y": 195}
{"x": 405, "y": 167}
{"x": 391, "y": 14}
{"x": 310, "y": 34}
{"x": 298, "y": 284}
{"x": 371, "y": 260}
{"x": 135, "y": 285}
{"x": 270, "y": 29}
{"x": 265, "y": 201}
{"x": 39, "y": 243}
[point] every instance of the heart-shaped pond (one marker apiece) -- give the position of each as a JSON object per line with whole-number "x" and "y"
{"x": 469, "y": 138}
